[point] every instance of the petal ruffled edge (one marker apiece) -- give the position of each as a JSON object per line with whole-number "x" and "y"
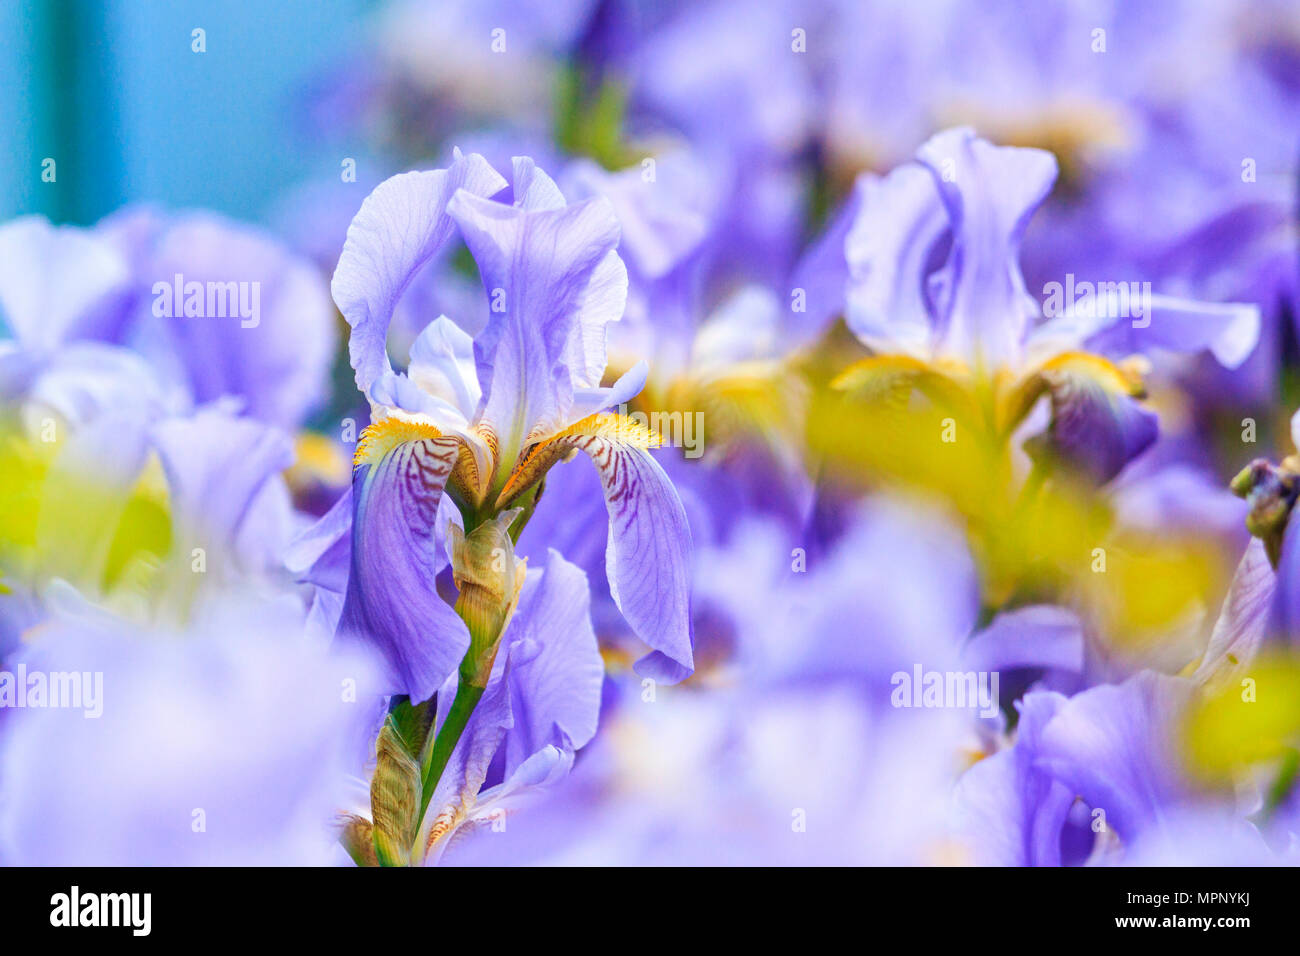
{"x": 399, "y": 227}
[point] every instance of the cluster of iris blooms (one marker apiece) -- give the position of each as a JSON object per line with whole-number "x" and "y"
{"x": 954, "y": 568}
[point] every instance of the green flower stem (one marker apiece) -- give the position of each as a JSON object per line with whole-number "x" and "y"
{"x": 488, "y": 577}
{"x": 436, "y": 757}
{"x": 483, "y": 607}
{"x": 1288, "y": 773}
{"x": 528, "y": 503}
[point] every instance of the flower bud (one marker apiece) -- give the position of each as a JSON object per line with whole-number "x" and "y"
{"x": 394, "y": 798}
{"x": 489, "y": 577}
{"x": 1271, "y": 493}
{"x": 357, "y": 836}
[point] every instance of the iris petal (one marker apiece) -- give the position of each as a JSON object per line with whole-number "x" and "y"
{"x": 400, "y": 226}
{"x": 1112, "y": 746}
{"x": 39, "y": 305}
{"x": 888, "y": 247}
{"x": 554, "y": 282}
{"x": 557, "y": 666}
{"x": 1244, "y": 621}
{"x": 392, "y": 600}
{"x": 1008, "y": 811}
{"x": 648, "y": 553}
{"x": 990, "y": 192}
{"x": 1097, "y": 424}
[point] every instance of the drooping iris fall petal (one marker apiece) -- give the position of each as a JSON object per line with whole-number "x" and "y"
{"x": 648, "y": 554}
{"x": 392, "y": 599}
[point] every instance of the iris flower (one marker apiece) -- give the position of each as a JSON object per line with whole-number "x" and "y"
{"x": 540, "y": 705}
{"x": 935, "y": 291}
{"x": 798, "y": 728}
{"x": 125, "y": 460}
{"x": 84, "y": 338}
{"x": 227, "y": 741}
{"x": 1115, "y": 749}
{"x": 483, "y": 417}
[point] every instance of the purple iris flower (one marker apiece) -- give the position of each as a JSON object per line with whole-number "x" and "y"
{"x": 794, "y": 748}
{"x": 112, "y": 428}
{"x": 1098, "y": 777}
{"x": 226, "y": 742}
{"x": 1113, "y": 749}
{"x": 541, "y": 706}
{"x": 484, "y": 417}
{"x": 115, "y": 391}
{"x": 934, "y": 286}
{"x": 219, "y": 480}
{"x": 161, "y": 314}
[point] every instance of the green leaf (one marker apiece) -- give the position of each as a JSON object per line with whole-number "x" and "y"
{"x": 590, "y": 118}
{"x": 412, "y": 722}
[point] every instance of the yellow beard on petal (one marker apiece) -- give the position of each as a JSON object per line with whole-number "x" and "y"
{"x": 383, "y": 436}
{"x": 883, "y": 374}
{"x": 607, "y": 426}
{"x": 1124, "y": 378}
{"x": 748, "y": 402}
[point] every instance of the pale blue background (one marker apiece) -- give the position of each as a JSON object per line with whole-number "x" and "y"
{"x": 112, "y": 91}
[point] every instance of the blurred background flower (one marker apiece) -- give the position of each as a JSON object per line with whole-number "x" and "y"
{"x": 856, "y": 237}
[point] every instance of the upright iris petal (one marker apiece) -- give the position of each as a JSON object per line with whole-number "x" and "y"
{"x": 554, "y": 281}
{"x": 399, "y": 228}
{"x": 888, "y": 249}
{"x": 51, "y": 280}
{"x": 270, "y": 343}
{"x": 989, "y": 193}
